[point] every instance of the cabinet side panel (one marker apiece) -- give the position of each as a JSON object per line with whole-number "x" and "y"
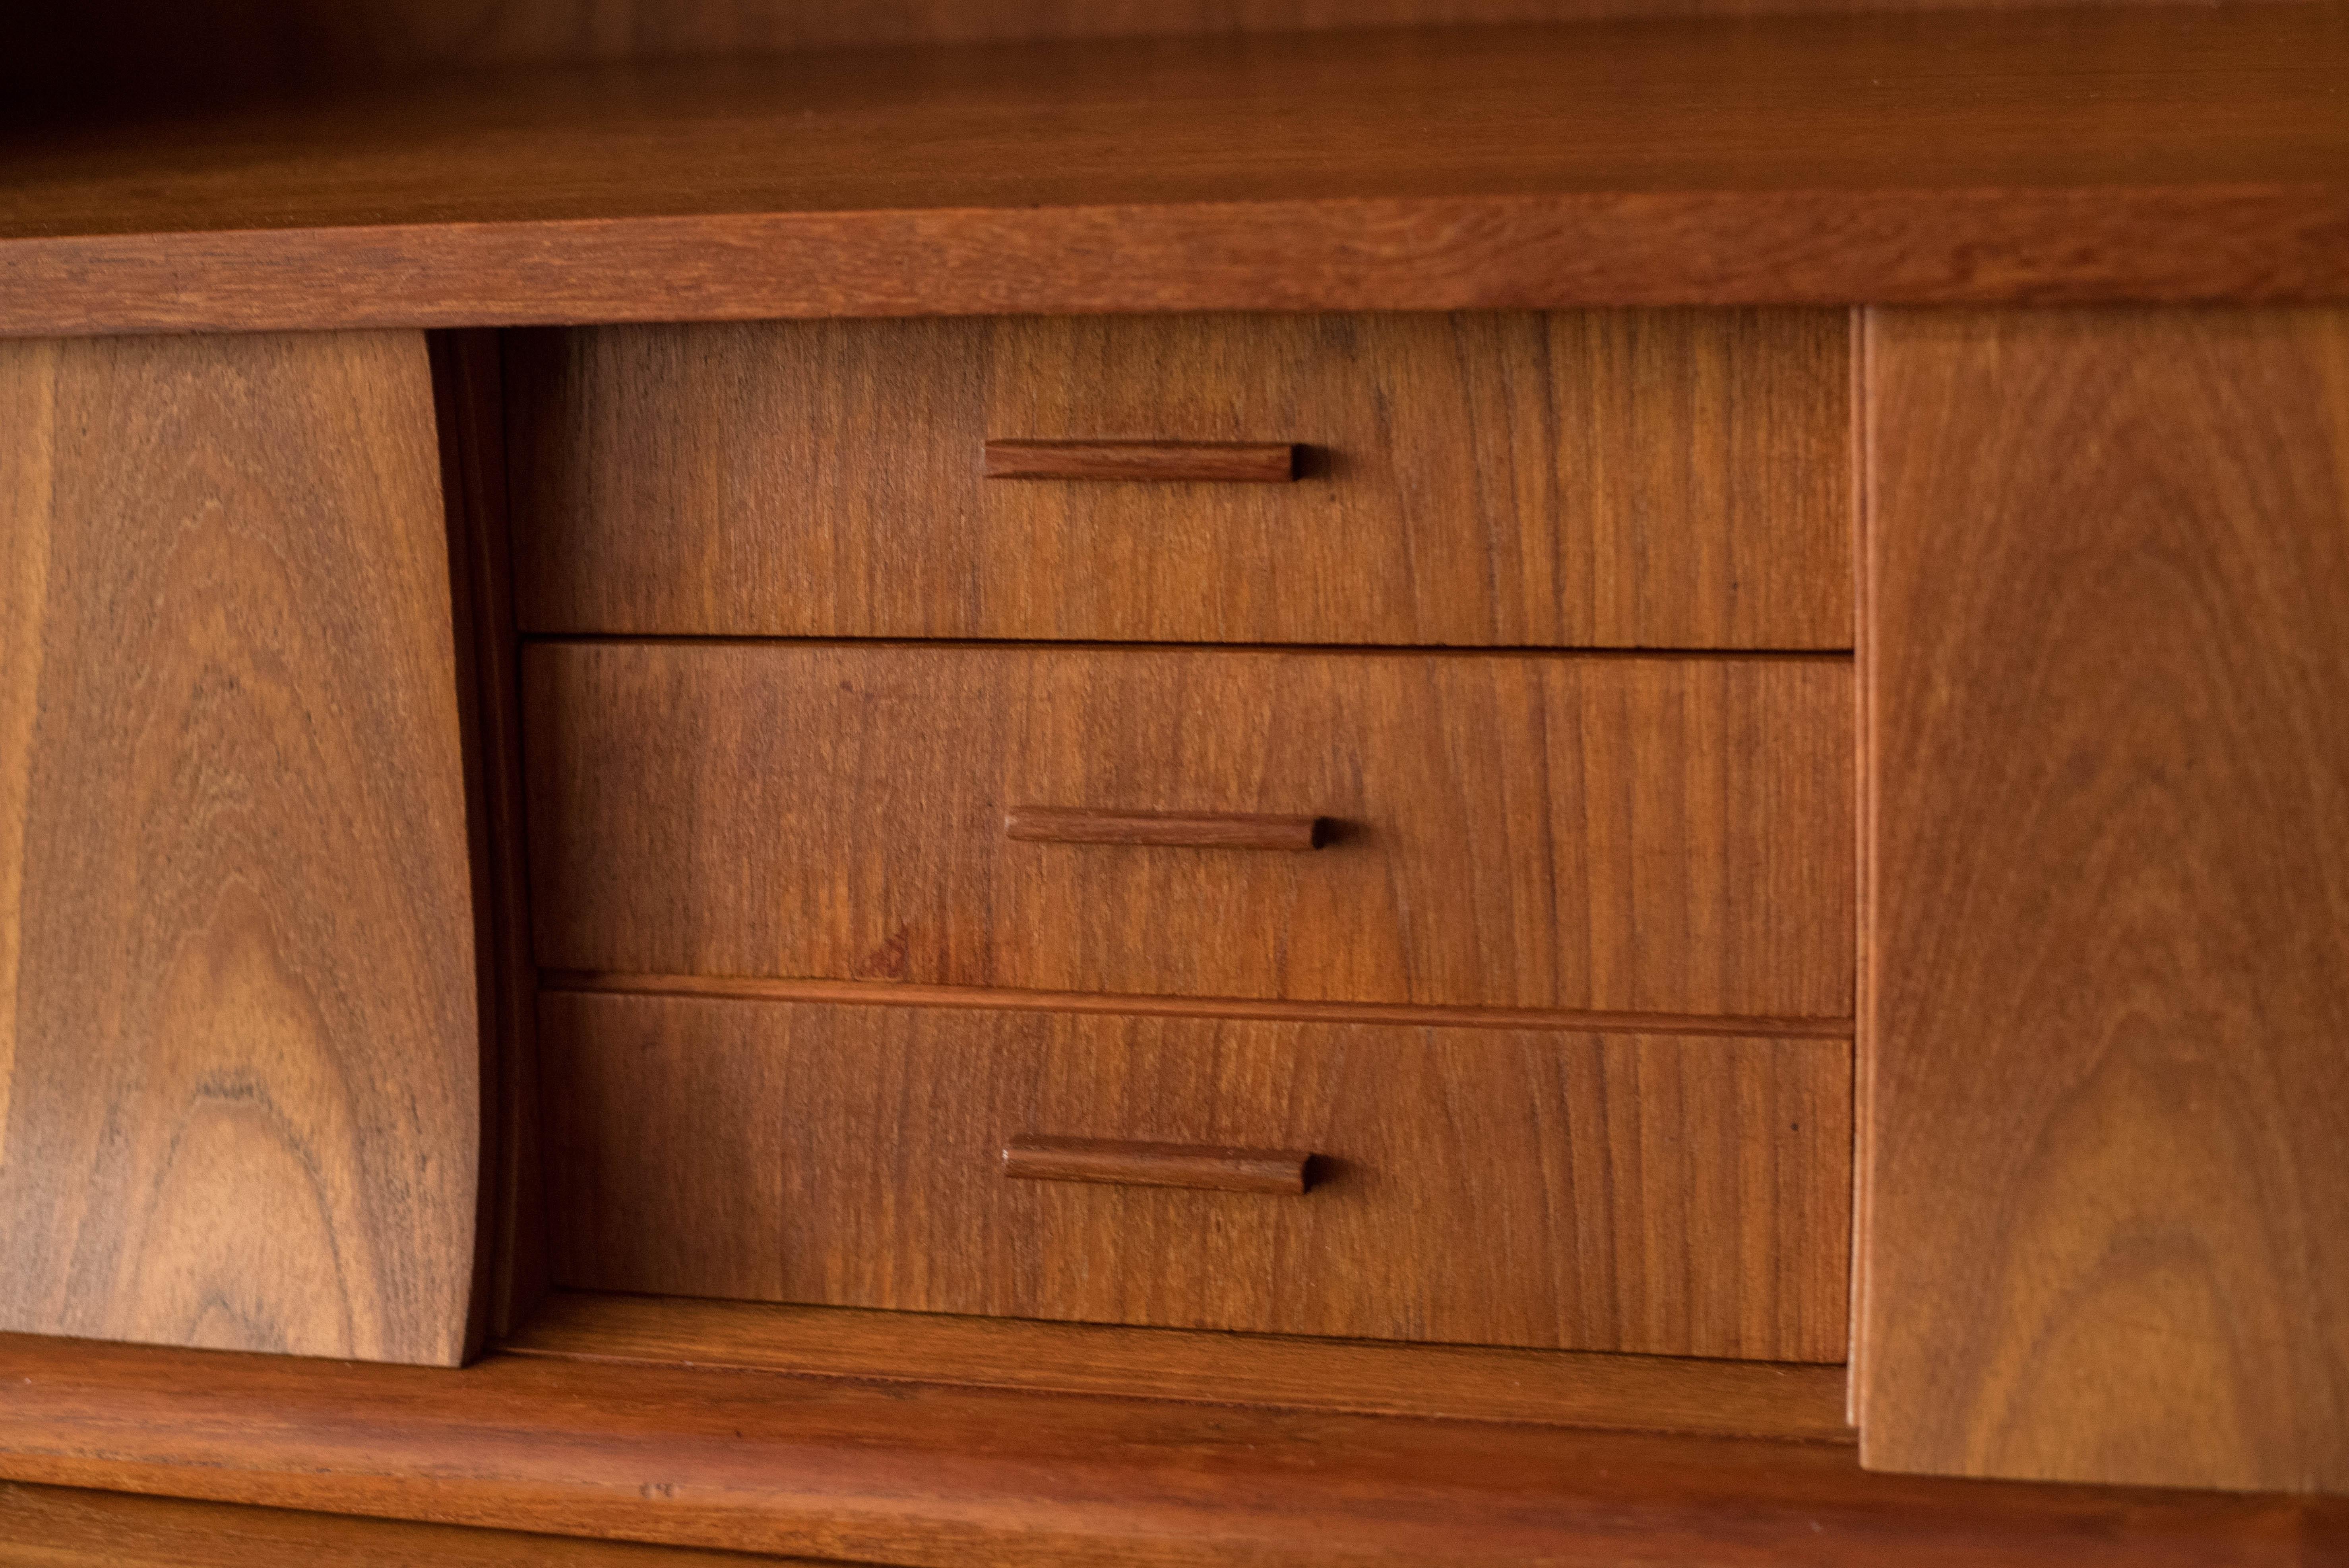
{"x": 237, "y": 942}
{"x": 2106, "y": 1222}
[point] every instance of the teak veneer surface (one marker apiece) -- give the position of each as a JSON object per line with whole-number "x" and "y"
{"x": 1664, "y": 479}
{"x": 2107, "y": 1217}
{"x": 2138, "y": 152}
{"x": 1528, "y": 830}
{"x": 1682, "y": 1196}
{"x": 64, "y": 1527}
{"x": 1611, "y": 1392}
{"x": 961, "y": 1477}
{"x": 240, "y": 1048}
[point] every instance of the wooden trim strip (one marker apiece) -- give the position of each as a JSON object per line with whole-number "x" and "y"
{"x": 2259, "y": 243}
{"x": 836, "y": 1468}
{"x": 1785, "y": 1401}
{"x": 67, "y": 1527}
{"x": 888, "y": 994}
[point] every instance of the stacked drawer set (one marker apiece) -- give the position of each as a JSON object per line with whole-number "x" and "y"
{"x": 1315, "y": 825}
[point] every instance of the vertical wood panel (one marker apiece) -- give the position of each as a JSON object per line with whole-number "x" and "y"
{"x": 239, "y": 933}
{"x": 2108, "y": 1183}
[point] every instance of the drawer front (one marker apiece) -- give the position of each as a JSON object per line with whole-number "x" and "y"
{"x": 1682, "y": 1195}
{"x": 1672, "y": 478}
{"x": 1658, "y": 834}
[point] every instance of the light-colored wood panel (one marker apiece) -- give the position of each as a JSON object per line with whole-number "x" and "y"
{"x": 1670, "y": 1195}
{"x": 1622, "y": 833}
{"x": 1545, "y": 1388}
{"x": 2107, "y": 1205}
{"x": 1672, "y": 478}
{"x": 238, "y": 932}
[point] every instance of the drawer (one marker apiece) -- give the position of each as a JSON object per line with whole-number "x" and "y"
{"x": 1682, "y": 1195}
{"x": 1660, "y": 479}
{"x": 1665, "y": 834}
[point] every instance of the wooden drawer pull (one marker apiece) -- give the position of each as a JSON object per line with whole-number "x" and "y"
{"x": 1213, "y": 462}
{"x": 1121, "y": 1163}
{"x": 1167, "y": 829}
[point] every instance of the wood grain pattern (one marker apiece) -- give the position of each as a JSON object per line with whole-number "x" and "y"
{"x": 1133, "y": 1162}
{"x": 2109, "y": 1206}
{"x": 1212, "y": 462}
{"x": 239, "y": 1018}
{"x": 1525, "y": 831}
{"x": 1657, "y": 479}
{"x": 1612, "y": 1392}
{"x": 1661, "y": 1195}
{"x": 2175, "y": 153}
{"x": 62, "y": 1527}
{"x": 834, "y": 1468}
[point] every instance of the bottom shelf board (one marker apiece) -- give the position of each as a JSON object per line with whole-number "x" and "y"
{"x": 881, "y": 1467}
{"x": 1546, "y": 1387}
{"x": 69, "y": 1527}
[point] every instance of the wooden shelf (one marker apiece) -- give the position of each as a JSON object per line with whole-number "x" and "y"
{"x": 2134, "y": 153}
{"x": 618, "y": 1424}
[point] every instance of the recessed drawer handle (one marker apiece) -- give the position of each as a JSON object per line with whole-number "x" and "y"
{"x": 1213, "y": 462}
{"x": 1121, "y": 1163}
{"x": 1167, "y": 829}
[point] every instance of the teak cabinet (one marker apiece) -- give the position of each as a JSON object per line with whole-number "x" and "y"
{"x": 1560, "y": 793}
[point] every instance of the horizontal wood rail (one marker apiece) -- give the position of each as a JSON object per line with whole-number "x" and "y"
{"x": 899, "y": 994}
{"x": 1165, "y": 830}
{"x": 1210, "y": 463}
{"x": 1125, "y": 1162}
{"x": 840, "y": 1469}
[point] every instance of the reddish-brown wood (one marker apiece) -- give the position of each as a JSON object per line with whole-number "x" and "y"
{"x": 2107, "y": 1208}
{"x": 2148, "y": 153}
{"x": 863, "y": 991}
{"x": 238, "y": 924}
{"x": 1625, "y": 833}
{"x": 64, "y": 1527}
{"x": 1583, "y": 479}
{"x": 1612, "y": 1392}
{"x": 1669, "y": 1194}
{"x": 512, "y": 1234}
{"x": 1165, "y": 829}
{"x": 1211, "y": 462}
{"x": 953, "y": 1478}
{"x": 1133, "y": 1162}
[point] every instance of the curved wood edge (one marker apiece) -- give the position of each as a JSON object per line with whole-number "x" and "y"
{"x": 920, "y": 1475}
{"x": 2269, "y": 242}
{"x": 66, "y": 1527}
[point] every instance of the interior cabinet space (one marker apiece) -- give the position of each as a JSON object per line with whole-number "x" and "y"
{"x": 1078, "y": 784}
